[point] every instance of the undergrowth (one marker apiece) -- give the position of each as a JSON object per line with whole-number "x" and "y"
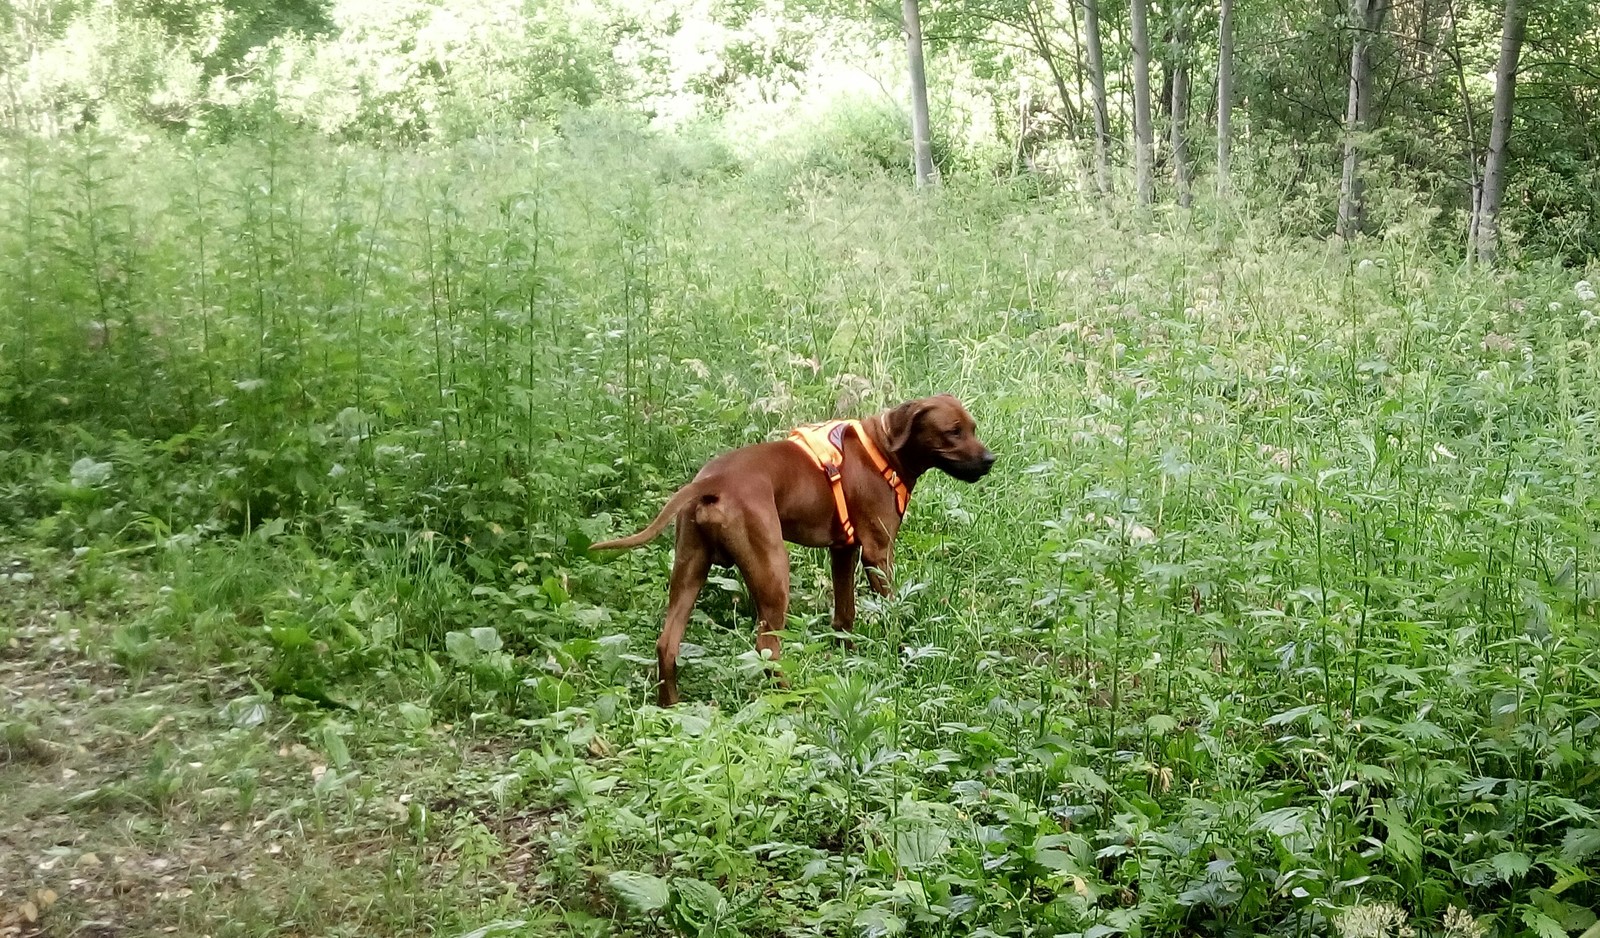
{"x": 1276, "y": 616}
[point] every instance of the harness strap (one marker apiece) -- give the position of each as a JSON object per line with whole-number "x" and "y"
{"x": 824, "y": 443}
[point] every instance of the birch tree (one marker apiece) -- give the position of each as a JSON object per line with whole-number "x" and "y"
{"x": 1143, "y": 134}
{"x": 1096, "y": 62}
{"x": 1224, "y": 97}
{"x": 1486, "y": 227}
{"x": 1179, "y": 111}
{"x": 1366, "y": 18}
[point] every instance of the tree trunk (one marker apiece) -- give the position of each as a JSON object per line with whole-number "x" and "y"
{"x": 1224, "y": 97}
{"x": 1143, "y": 135}
{"x": 1487, "y": 228}
{"x": 1086, "y": 150}
{"x": 1474, "y": 189}
{"x": 1366, "y": 16}
{"x": 921, "y": 138}
{"x": 1022, "y": 125}
{"x": 1180, "y": 106}
{"x": 1097, "y": 85}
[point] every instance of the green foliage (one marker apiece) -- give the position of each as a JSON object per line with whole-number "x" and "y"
{"x": 809, "y": 88}
{"x": 1279, "y": 610}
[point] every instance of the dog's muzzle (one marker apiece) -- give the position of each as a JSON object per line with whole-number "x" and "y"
{"x": 974, "y": 469}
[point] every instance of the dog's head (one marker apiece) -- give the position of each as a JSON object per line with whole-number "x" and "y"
{"x": 938, "y": 433}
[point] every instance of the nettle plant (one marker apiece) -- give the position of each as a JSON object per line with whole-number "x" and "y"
{"x": 1277, "y": 616}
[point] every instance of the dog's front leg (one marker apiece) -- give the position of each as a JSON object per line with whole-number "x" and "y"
{"x": 844, "y": 591}
{"x": 879, "y": 561}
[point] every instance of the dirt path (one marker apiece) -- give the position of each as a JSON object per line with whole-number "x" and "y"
{"x": 187, "y": 803}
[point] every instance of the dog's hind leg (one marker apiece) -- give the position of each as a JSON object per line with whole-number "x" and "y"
{"x": 759, "y": 552}
{"x": 691, "y": 562}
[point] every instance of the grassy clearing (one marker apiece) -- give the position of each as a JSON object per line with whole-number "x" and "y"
{"x": 171, "y": 796}
{"x": 1277, "y": 616}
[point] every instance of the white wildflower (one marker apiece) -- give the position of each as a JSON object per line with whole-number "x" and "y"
{"x": 1585, "y": 291}
{"x": 1459, "y": 924}
{"x": 1379, "y": 920}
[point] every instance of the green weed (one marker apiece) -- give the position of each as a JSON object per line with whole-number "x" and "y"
{"x": 1279, "y": 607}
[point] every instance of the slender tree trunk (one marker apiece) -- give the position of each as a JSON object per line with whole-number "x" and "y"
{"x": 1161, "y": 104}
{"x": 1143, "y": 135}
{"x": 1494, "y": 161}
{"x": 1367, "y": 16}
{"x": 1097, "y": 86}
{"x": 1022, "y": 125}
{"x": 1474, "y": 189}
{"x": 921, "y": 138}
{"x": 1224, "y": 98}
{"x": 1180, "y": 106}
{"x": 1086, "y": 149}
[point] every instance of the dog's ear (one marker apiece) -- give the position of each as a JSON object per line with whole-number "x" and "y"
{"x": 901, "y": 422}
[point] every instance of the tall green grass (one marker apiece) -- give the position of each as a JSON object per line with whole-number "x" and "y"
{"x": 1279, "y": 604}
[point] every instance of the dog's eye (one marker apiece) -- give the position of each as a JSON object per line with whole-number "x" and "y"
{"x": 954, "y": 433}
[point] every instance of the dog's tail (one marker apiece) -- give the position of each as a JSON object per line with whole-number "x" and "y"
{"x": 668, "y": 513}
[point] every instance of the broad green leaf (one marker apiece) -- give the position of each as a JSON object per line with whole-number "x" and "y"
{"x": 1052, "y": 859}
{"x": 1511, "y": 864}
{"x": 553, "y": 692}
{"x": 1282, "y": 822}
{"x": 701, "y": 898}
{"x": 486, "y": 638}
{"x": 86, "y": 472}
{"x": 461, "y": 647}
{"x": 1580, "y": 843}
{"x": 1160, "y": 724}
{"x": 271, "y": 528}
{"x": 876, "y": 922}
{"x": 1543, "y": 925}
{"x": 1420, "y": 730}
{"x": 918, "y": 842}
{"x": 640, "y": 891}
{"x": 1402, "y": 842}
{"x": 333, "y": 745}
{"x": 1567, "y": 880}
{"x": 417, "y": 717}
{"x": 1289, "y": 716}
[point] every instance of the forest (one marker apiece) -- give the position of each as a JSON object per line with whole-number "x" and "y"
{"x": 335, "y": 333}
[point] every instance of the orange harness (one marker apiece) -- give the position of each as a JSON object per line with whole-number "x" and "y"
{"x": 824, "y": 443}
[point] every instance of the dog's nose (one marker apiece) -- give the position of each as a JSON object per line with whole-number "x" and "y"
{"x": 988, "y": 459}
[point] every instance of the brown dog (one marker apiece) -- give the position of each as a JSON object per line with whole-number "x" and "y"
{"x": 743, "y": 506}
